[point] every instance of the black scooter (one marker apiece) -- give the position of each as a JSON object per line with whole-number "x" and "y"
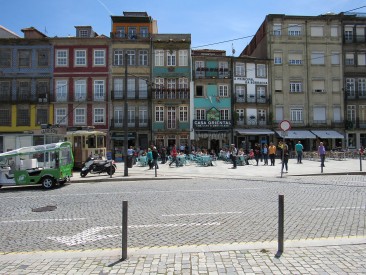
{"x": 98, "y": 166}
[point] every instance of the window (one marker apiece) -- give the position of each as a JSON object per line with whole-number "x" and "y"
{"x": 120, "y": 32}
{"x": 5, "y": 58}
{"x": 350, "y": 87}
{"x": 159, "y": 114}
{"x": 239, "y": 69}
{"x": 62, "y": 58}
{"x": 295, "y": 87}
{"x": 348, "y": 33}
{"x": 261, "y": 92}
{"x": 171, "y": 118}
{"x": 277, "y": 28}
{"x": 199, "y": 91}
{"x": 99, "y": 90}
{"x": 99, "y": 115}
{"x": 5, "y": 117}
{"x": 261, "y": 70}
{"x": 171, "y": 58}
{"x": 24, "y": 58}
{"x": 336, "y": 85}
{"x": 350, "y": 59}
{"x": 83, "y": 33}
{"x": 61, "y": 90}
{"x": 183, "y": 83}
{"x": 240, "y": 93}
{"x": 337, "y": 114}
{"x": 143, "y": 58}
{"x": 277, "y": 58}
{"x": 319, "y": 114}
{"x": 296, "y": 115}
{"x": 143, "y": 116}
{"x": 362, "y": 87}
{"x": 132, "y": 32}
{"x": 278, "y": 85}
{"x": 80, "y": 57}
{"x": 295, "y": 58}
{"x": 43, "y": 58}
{"x": 99, "y": 57}
{"x": 360, "y": 33}
{"x": 183, "y": 57}
{"x": 335, "y": 60}
{"x": 142, "y": 88}
{"x": 240, "y": 113}
{"x": 60, "y": 116}
{"x": 131, "y": 116}
{"x": 118, "y": 116}
{"x": 318, "y": 86}
{"x": 334, "y": 31}
{"x": 117, "y": 57}
{"x": 317, "y": 31}
{"x": 200, "y": 68}
{"x": 279, "y": 113}
{"x": 131, "y": 58}
{"x": 294, "y": 30}
{"x": 223, "y": 90}
{"x": 361, "y": 59}
{"x": 42, "y": 116}
{"x": 131, "y": 88}
{"x": 144, "y": 31}
{"x": 171, "y": 83}
{"x": 159, "y": 57}
{"x": 201, "y": 114}
{"x": 23, "y": 117}
{"x": 351, "y": 113}
{"x": 80, "y": 90}
{"x": 317, "y": 58}
{"x": 5, "y": 90}
{"x": 80, "y": 114}
{"x": 183, "y": 113}
{"x": 224, "y": 114}
{"x": 24, "y": 90}
{"x": 118, "y": 88}
{"x": 159, "y": 83}
{"x": 223, "y": 69}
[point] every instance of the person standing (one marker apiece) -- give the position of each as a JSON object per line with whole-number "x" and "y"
{"x": 155, "y": 155}
{"x": 174, "y": 155}
{"x": 257, "y": 152}
{"x": 272, "y": 153}
{"x": 299, "y": 149}
{"x": 233, "y": 153}
{"x": 163, "y": 155}
{"x": 149, "y": 157}
{"x": 321, "y": 152}
{"x": 265, "y": 154}
{"x": 285, "y": 156}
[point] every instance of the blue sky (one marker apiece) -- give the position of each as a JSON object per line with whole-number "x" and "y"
{"x": 208, "y": 21}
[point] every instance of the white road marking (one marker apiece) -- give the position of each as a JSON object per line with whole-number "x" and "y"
{"x": 200, "y": 214}
{"x": 45, "y": 220}
{"x": 338, "y": 208}
{"x": 92, "y": 234}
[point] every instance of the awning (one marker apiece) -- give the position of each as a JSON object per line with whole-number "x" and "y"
{"x": 296, "y": 134}
{"x": 256, "y": 132}
{"x": 327, "y": 134}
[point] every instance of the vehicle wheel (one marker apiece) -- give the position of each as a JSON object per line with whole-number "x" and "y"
{"x": 83, "y": 174}
{"x": 48, "y": 182}
{"x": 111, "y": 171}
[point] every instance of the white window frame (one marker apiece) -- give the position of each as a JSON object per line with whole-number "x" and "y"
{"x": 223, "y": 90}
{"x": 240, "y": 69}
{"x": 224, "y": 114}
{"x": 200, "y": 114}
{"x": 80, "y": 116}
{"x": 159, "y": 113}
{"x": 118, "y": 57}
{"x": 296, "y": 87}
{"x": 80, "y": 89}
{"x": 183, "y": 83}
{"x": 80, "y": 58}
{"x": 61, "y": 90}
{"x": 131, "y": 57}
{"x": 62, "y": 58}
{"x": 118, "y": 86}
{"x": 99, "y": 89}
{"x": 99, "y": 115}
{"x": 171, "y": 117}
{"x": 294, "y": 29}
{"x": 143, "y": 58}
{"x": 171, "y": 58}
{"x": 183, "y": 58}
{"x": 143, "y": 116}
{"x": 277, "y": 58}
{"x": 131, "y": 116}
{"x": 183, "y": 113}
{"x": 296, "y": 114}
{"x": 261, "y": 70}
{"x": 159, "y": 58}
{"x": 99, "y": 56}
{"x": 61, "y": 116}
{"x": 277, "y": 29}
{"x": 336, "y": 58}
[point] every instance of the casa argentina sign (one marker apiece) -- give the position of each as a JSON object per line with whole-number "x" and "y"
{"x": 212, "y": 124}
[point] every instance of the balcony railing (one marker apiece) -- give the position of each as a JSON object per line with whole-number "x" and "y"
{"x": 170, "y": 93}
{"x": 252, "y": 99}
{"x": 118, "y": 123}
{"x": 204, "y": 72}
{"x": 127, "y": 36}
{"x": 354, "y": 39}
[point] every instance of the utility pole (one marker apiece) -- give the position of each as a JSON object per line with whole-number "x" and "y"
{"x": 125, "y": 125}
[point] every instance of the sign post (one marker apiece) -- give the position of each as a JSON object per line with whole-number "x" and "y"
{"x": 285, "y": 126}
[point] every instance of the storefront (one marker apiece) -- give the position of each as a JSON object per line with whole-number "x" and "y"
{"x": 331, "y": 139}
{"x": 307, "y": 138}
{"x": 247, "y": 138}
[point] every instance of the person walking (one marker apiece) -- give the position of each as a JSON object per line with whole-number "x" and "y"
{"x": 149, "y": 157}
{"x": 272, "y": 153}
{"x": 299, "y": 149}
{"x": 155, "y": 155}
{"x": 233, "y": 153}
{"x": 174, "y": 155}
{"x": 285, "y": 156}
{"x": 257, "y": 152}
{"x": 321, "y": 152}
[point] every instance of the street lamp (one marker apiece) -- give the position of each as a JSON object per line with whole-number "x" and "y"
{"x": 125, "y": 125}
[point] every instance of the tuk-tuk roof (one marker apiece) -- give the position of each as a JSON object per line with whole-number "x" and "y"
{"x": 35, "y": 149}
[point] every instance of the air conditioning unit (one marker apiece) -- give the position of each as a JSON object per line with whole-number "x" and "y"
{"x": 319, "y": 90}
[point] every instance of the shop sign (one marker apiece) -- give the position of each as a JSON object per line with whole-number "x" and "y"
{"x": 249, "y": 80}
{"x": 212, "y": 124}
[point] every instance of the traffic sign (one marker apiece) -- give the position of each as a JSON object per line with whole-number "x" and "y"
{"x": 285, "y": 125}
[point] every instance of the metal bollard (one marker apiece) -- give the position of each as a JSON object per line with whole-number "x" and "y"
{"x": 360, "y": 161}
{"x": 281, "y": 222}
{"x": 124, "y": 229}
{"x": 110, "y": 169}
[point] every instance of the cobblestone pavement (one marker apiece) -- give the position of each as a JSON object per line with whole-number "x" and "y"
{"x": 193, "y": 226}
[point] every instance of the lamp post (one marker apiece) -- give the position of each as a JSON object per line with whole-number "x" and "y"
{"x": 125, "y": 125}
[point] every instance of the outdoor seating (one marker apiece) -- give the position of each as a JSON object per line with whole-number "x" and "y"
{"x": 142, "y": 161}
{"x": 204, "y": 160}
